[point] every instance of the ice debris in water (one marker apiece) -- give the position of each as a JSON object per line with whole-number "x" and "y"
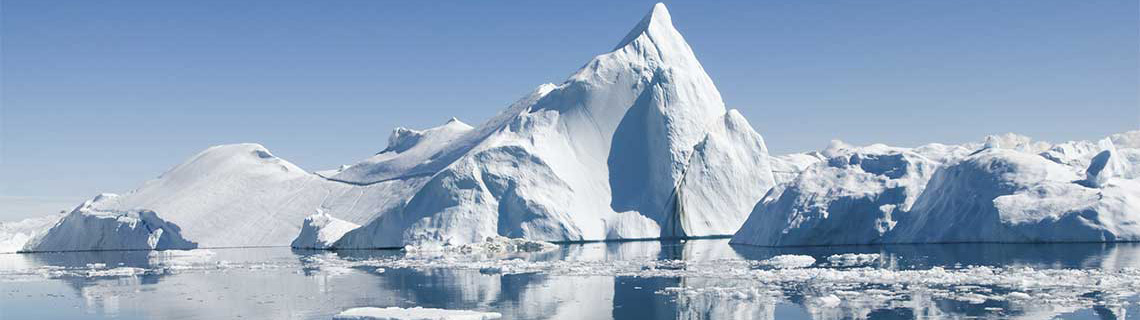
{"x": 788, "y": 261}
{"x": 417, "y": 313}
{"x": 852, "y": 259}
{"x": 490, "y": 245}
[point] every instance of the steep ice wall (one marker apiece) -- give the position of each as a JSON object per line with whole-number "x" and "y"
{"x": 636, "y": 144}
{"x": 87, "y": 228}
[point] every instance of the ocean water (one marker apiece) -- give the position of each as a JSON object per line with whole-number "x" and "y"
{"x": 696, "y": 279}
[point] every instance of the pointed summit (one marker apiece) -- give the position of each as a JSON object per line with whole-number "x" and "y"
{"x": 656, "y": 24}
{"x": 655, "y": 38}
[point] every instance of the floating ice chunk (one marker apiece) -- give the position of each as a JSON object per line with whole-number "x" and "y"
{"x": 829, "y": 301}
{"x": 88, "y": 228}
{"x": 788, "y": 261}
{"x": 321, "y": 230}
{"x": 852, "y": 259}
{"x": 416, "y": 313}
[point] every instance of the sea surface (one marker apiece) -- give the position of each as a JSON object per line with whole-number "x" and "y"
{"x": 696, "y": 279}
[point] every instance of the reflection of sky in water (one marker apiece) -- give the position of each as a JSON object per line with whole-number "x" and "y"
{"x": 276, "y": 283}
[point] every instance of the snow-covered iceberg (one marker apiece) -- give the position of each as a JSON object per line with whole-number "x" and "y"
{"x": 1007, "y": 189}
{"x": 87, "y": 228}
{"x": 242, "y": 195}
{"x": 637, "y": 144}
{"x": 852, "y": 196}
{"x": 321, "y": 230}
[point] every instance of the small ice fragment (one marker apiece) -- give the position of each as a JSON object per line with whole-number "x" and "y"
{"x": 395, "y": 313}
{"x": 788, "y": 261}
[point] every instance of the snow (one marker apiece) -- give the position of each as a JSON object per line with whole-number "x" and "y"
{"x": 416, "y": 313}
{"x": 1009, "y": 190}
{"x": 409, "y": 153}
{"x": 852, "y": 259}
{"x": 87, "y": 228}
{"x": 14, "y": 235}
{"x": 242, "y": 195}
{"x": 635, "y": 145}
{"x": 851, "y": 197}
{"x": 788, "y": 261}
{"x": 320, "y": 230}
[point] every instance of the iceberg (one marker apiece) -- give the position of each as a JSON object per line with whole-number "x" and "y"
{"x": 1007, "y": 189}
{"x": 238, "y": 195}
{"x": 636, "y": 145}
{"x": 87, "y": 228}
{"x": 321, "y": 230}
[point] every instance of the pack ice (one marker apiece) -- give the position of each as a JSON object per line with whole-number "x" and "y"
{"x": 637, "y": 144}
{"x": 1007, "y": 189}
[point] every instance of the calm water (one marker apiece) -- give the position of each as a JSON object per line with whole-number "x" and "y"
{"x": 697, "y": 279}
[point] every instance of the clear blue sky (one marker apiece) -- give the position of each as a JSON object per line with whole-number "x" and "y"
{"x": 102, "y": 95}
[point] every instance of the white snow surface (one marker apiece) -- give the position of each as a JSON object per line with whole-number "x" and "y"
{"x": 1010, "y": 190}
{"x": 788, "y": 261}
{"x": 415, "y": 313}
{"x": 14, "y": 235}
{"x": 321, "y": 230}
{"x": 637, "y": 144}
{"x": 242, "y": 195}
{"x": 87, "y": 228}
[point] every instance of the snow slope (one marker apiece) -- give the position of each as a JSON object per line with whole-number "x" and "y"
{"x": 636, "y": 144}
{"x": 1012, "y": 189}
{"x": 241, "y": 195}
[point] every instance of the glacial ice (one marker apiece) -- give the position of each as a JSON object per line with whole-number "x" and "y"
{"x": 416, "y": 313}
{"x": 321, "y": 230}
{"x": 637, "y": 144}
{"x": 87, "y": 228}
{"x": 1008, "y": 189}
{"x": 14, "y": 235}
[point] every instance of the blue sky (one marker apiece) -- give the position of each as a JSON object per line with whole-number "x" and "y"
{"x": 98, "y": 96}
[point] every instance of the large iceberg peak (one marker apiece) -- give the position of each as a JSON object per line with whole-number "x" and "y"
{"x": 657, "y": 39}
{"x": 656, "y": 24}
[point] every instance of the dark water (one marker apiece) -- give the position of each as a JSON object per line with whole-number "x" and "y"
{"x": 279, "y": 283}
